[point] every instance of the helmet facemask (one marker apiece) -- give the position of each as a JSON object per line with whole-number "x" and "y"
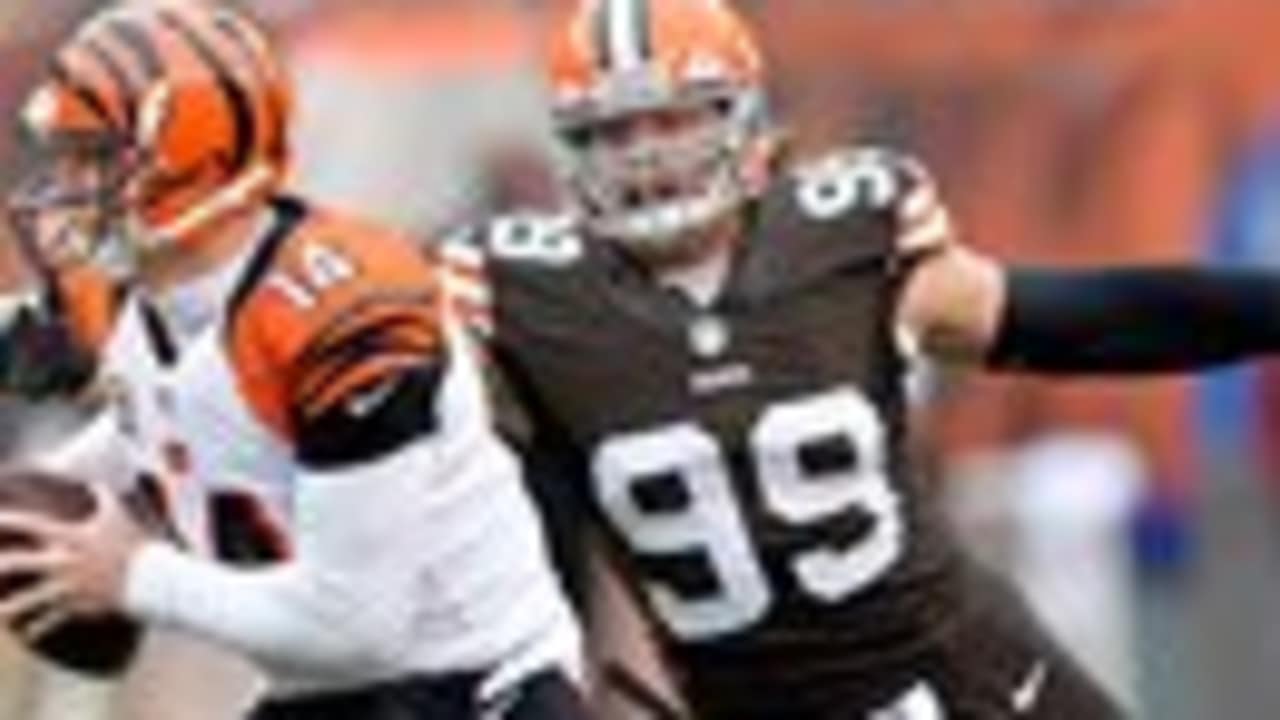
{"x": 651, "y": 189}
{"x": 71, "y": 209}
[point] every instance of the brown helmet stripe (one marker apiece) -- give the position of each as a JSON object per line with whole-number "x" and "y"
{"x": 237, "y": 99}
{"x": 600, "y": 34}
{"x": 642, "y": 25}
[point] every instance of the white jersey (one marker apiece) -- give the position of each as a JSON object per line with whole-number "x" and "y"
{"x": 283, "y": 433}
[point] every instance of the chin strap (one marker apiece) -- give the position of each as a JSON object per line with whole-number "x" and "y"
{"x": 250, "y": 184}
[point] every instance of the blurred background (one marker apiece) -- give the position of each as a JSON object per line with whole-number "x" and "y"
{"x": 1142, "y": 517}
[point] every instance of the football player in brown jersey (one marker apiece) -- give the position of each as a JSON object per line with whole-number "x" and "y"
{"x": 716, "y": 346}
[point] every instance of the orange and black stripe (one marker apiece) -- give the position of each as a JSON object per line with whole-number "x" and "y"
{"x": 123, "y": 51}
{"x": 88, "y": 95}
{"x": 383, "y": 334}
{"x": 297, "y": 363}
{"x": 124, "y": 89}
{"x": 237, "y": 99}
{"x": 112, "y": 63}
{"x": 251, "y": 46}
{"x": 134, "y": 39}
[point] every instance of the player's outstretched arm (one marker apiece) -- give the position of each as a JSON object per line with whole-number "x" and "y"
{"x": 1140, "y": 319}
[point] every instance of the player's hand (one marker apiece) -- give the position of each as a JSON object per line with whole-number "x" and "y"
{"x": 81, "y": 568}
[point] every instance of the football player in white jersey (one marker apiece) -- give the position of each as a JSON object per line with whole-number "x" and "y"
{"x": 282, "y": 380}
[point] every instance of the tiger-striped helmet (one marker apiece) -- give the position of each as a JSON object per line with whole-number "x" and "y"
{"x": 617, "y": 60}
{"x": 179, "y": 108}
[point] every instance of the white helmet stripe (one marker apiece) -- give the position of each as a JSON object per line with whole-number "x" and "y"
{"x": 625, "y": 26}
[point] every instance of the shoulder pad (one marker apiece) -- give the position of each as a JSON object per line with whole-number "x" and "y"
{"x": 535, "y": 238}
{"x": 879, "y": 181}
{"x": 333, "y": 263}
{"x": 330, "y": 282}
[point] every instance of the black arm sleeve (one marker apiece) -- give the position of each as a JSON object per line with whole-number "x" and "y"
{"x": 1138, "y": 320}
{"x": 402, "y": 409}
{"x": 39, "y": 357}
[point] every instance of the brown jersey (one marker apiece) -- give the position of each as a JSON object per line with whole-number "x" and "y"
{"x": 747, "y": 456}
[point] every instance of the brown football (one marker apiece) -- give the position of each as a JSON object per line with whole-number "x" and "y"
{"x": 98, "y": 645}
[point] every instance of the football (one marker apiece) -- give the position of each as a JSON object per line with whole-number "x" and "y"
{"x": 100, "y": 646}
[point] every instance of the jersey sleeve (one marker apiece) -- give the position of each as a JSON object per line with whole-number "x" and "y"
{"x": 95, "y": 452}
{"x": 853, "y": 188}
{"x": 342, "y": 606}
{"x": 466, "y": 281}
{"x": 340, "y": 349}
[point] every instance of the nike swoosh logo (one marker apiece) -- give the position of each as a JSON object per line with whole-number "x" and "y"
{"x": 501, "y": 707}
{"x": 1027, "y": 693}
{"x": 918, "y": 703}
{"x": 362, "y": 405}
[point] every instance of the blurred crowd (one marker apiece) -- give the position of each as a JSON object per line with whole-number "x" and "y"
{"x": 1063, "y": 131}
